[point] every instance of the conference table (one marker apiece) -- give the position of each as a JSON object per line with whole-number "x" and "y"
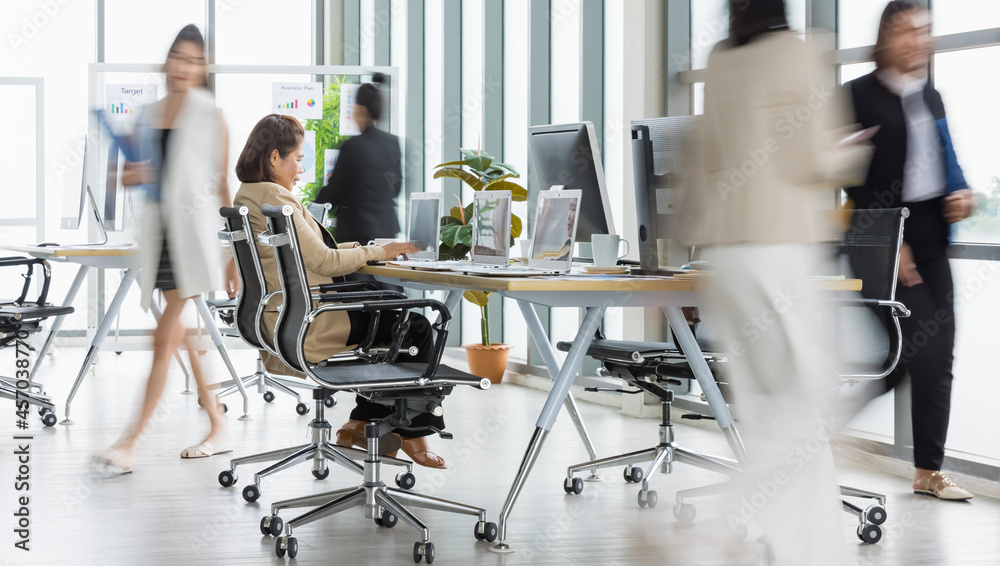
{"x": 110, "y": 256}
{"x": 595, "y": 293}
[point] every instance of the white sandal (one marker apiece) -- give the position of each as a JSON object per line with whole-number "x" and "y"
{"x": 203, "y": 449}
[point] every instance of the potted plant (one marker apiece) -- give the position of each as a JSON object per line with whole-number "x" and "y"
{"x": 487, "y": 359}
{"x": 478, "y": 170}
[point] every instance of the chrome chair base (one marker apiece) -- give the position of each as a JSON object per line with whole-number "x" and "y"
{"x": 266, "y": 385}
{"x": 46, "y": 408}
{"x": 319, "y": 451}
{"x": 384, "y": 505}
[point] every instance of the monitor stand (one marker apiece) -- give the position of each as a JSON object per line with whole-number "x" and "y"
{"x": 100, "y": 223}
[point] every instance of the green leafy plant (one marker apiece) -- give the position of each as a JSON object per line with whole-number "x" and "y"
{"x": 478, "y": 170}
{"x": 327, "y": 135}
{"x": 482, "y": 300}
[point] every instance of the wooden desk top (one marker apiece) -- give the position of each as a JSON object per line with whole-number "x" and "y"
{"x": 73, "y": 251}
{"x": 566, "y": 283}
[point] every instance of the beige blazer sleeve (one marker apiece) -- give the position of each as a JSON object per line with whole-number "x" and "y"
{"x": 319, "y": 258}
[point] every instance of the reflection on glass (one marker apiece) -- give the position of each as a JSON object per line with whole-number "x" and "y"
{"x": 492, "y": 226}
{"x": 554, "y": 231}
{"x": 968, "y": 87}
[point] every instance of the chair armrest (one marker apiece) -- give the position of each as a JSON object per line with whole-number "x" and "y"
{"x": 898, "y": 308}
{"x": 14, "y": 261}
{"x": 351, "y": 297}
{"x": 347, "y": 286}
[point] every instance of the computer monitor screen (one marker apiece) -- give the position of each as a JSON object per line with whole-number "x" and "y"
{"x": 491, "y": 226}
{"x": 554, "y": 222}
{"x": 658, "y": 158}
{"x": 75, "y": 185}
{"x": 113, "y": 188}
{"x": 425, "y": 222}
{"x": 568, "y": 155}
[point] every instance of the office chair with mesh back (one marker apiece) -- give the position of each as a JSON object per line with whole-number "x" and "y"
{"x": 247, "y": 310}
{"x": 321, "y": 211}
{"x": 870, "y": 252}
{"x": 411, "y": 389}
{"x": 18, "y": 318}
{"x": 248, "y": 321}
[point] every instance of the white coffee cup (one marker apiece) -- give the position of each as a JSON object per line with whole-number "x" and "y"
{"x": 523, "y": 247}
{"x": 605, "y": 249}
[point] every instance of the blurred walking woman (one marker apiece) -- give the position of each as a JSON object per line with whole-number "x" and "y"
{"x": 754, "y": 201}
{"x": 915, "y": 166}
{"x": 184, "y": 142}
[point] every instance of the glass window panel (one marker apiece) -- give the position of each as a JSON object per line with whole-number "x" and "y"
{"x": 515, "y": 144}
{"x": 968, "y": 88}
{"x": 141, "y": 32}
{"x": 857, "y": 22}
{"x": 433, "y": 85}
{"x": 472, "y": 131}
{"x": 258, "y": 32}
{"x": 855, "y": 70}
{"x": 18, "y": 158}
{"x": 565, "y": 28}
{"x": 709, "y": 25}
{"x": 975, "y": 422}
{"x": 956, "y": 16}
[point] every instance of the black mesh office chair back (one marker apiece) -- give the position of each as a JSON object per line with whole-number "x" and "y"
{"x": 252, "y": 285}
{"x": 296, "y": 300}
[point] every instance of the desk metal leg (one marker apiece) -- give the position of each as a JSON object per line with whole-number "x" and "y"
{"x": 102, "y": 333}
{"x": 213, "y": 330}
{"x": 155, "y": 310}
{"x": 552, "y": 365}
{"x": 74, "y": 288}
{"x": 689, "y": 345}
{"x": 550, "y": 411}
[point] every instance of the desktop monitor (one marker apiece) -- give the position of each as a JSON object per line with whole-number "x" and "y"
{"x": 568, "y": 155}
{"x": 658, "y": 147}
{"x": 75, "y": 189}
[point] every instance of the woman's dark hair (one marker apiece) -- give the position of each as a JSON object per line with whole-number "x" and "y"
{"x": 886, "y": 23}
{"x": 189, "y": 33}
{"x": 749, "y": 19}
{"x": 369, "y": 96}
{"x": 272, "y": 132}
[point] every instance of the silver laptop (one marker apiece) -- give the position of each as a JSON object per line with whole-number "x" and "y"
{"x": 551, "y": 253}
{"x": 424, "y": 230}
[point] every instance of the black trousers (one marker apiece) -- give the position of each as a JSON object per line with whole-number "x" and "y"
{"x": 927, "y": 355}
{"x": 419, "y": 335}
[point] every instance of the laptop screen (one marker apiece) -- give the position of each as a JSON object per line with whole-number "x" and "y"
{"x": 425, "y": 218}
{"x": 556, "y": 220}
{"x": 491, "y": 224}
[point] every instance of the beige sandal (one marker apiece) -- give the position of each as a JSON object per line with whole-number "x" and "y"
{"x": 943, "y": 488}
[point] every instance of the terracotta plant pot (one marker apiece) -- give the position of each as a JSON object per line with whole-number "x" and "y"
{"x": 487, "y": 361}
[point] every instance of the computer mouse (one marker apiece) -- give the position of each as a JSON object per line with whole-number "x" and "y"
{"x": 47, "y": 244}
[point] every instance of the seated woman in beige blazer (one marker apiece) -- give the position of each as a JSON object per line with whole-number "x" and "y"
{"x": 268, "y": 168}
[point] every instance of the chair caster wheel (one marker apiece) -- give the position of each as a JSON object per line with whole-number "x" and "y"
{"x": 268, "y": 396}
{"x": 329, "y": 402}
{"x": 43, "y": 410}
{"x": 302, "y": 409}
{"x": 632, "y": 475}
{"x": 227, "y": 478}
{"x": 406, "y": 480}
{"x": 321, "y": 475}
{"x": 869, "y": 534}
{"x": 875, "y": 514}
{"x": 387, "y": 520}
{"x": 49, "y": 419}
{"x": 423, "y": 550}
{"x": 271, "y": 525}
{"x": 486, "y": 531}
{"x": 286, "y": 544}
{"x": 647, "y": 498}
{"x": 685, "y": 512}
{"x": 573, "y": 486}
{"x": 251, "y": 493}
{"x": 118, "y": 353}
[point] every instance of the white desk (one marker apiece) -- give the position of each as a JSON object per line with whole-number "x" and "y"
{"x": 110, "y": 257}
{"x": 596, "y": 295}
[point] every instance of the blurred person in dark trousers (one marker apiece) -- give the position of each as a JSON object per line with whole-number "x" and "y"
{"x": 914, "y": 166}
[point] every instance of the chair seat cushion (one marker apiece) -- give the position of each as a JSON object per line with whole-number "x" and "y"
{"x": 364, "y": 375}
{"x": 622, "y": 350}
{"x": 33, "y": 312}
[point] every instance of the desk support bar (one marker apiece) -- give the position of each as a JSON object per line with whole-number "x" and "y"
{"x": 689, "y": 345}
{"x": 74, "y": 288}
{"x": 102, "y": 333}
{"x": 552, "y": 365}
{"x": 557, "y": 397}
{"x": 213, "y": 330}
